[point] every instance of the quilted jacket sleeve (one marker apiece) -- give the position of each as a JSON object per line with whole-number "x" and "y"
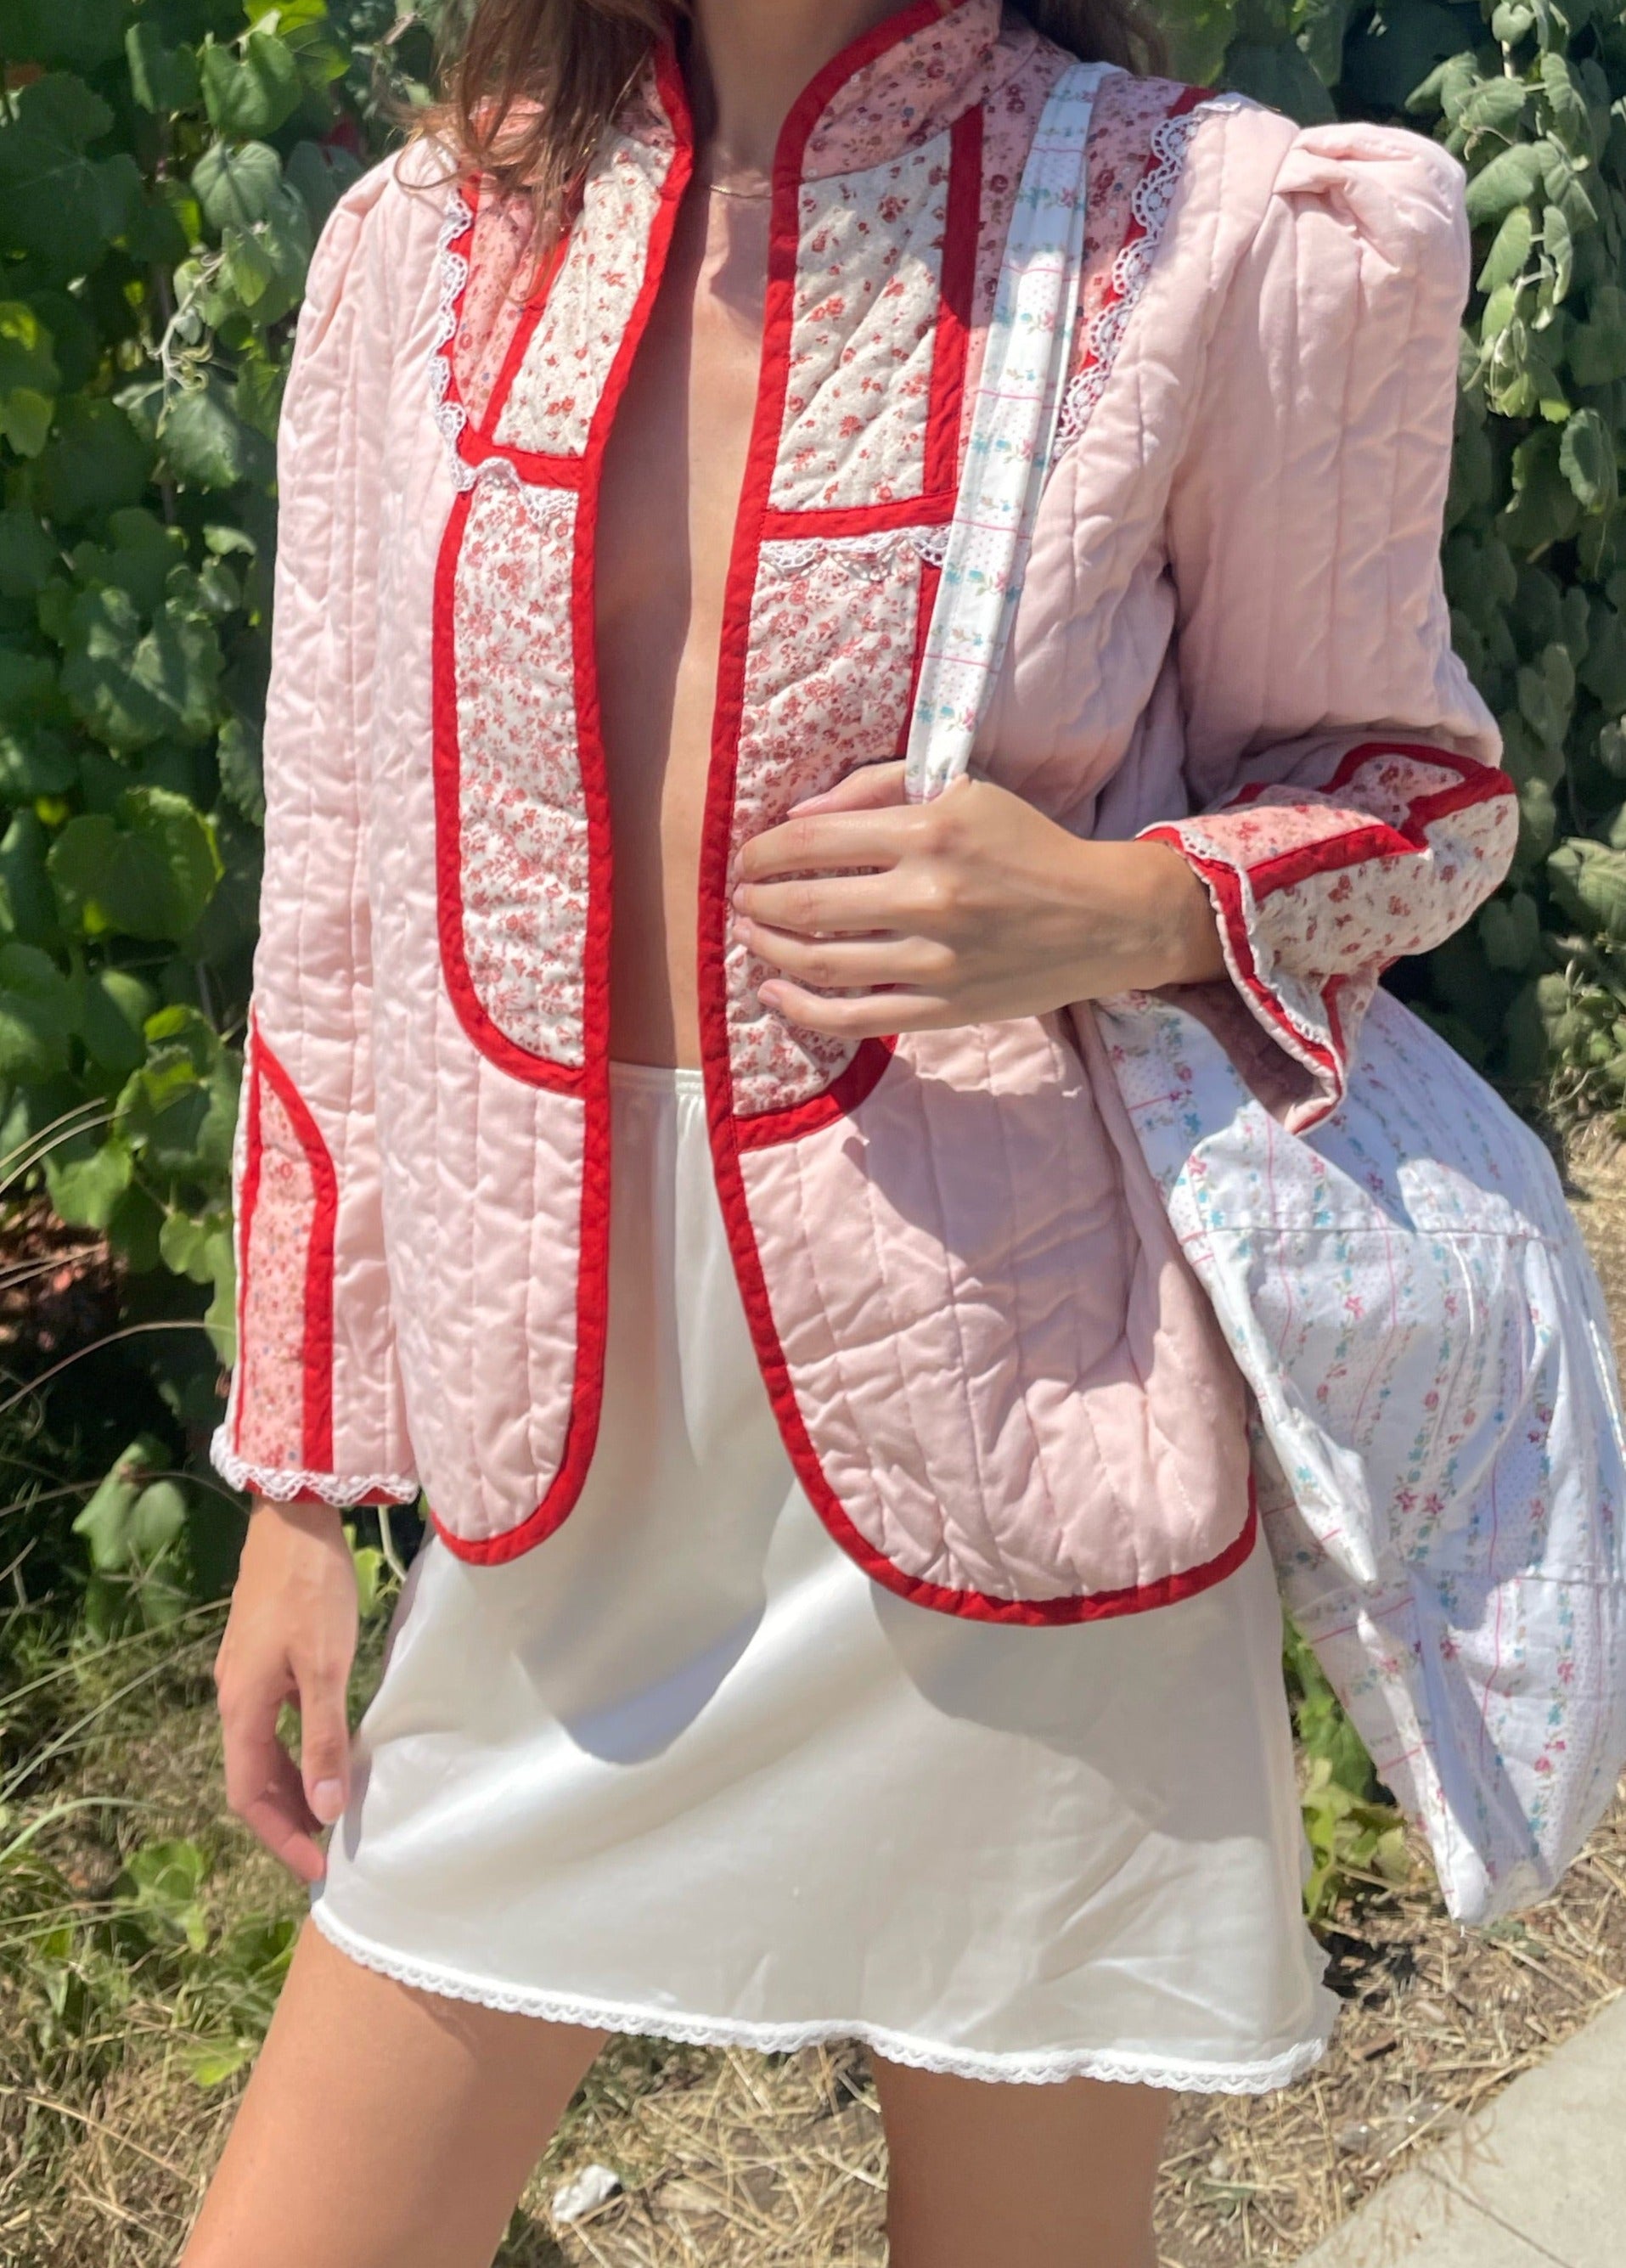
{"x": 315, "y": 1407}
{"x": 1342, "y": 767}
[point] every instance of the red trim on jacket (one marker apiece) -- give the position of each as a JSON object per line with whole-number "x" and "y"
{"x": 1380, "y": 839}
{"x": 593, "y": 1251}
{"x": 731, "y": 1135}
{"x": 316, "y": 1353}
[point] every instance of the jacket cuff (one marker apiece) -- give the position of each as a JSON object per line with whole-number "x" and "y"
{"x": 1312, "y": 1021}
{"x": 288, "y": 1485}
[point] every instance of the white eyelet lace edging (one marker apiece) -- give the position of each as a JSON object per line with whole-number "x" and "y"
{"x": 870, "y": 552}
{"x": 1153, "y": 196}
{"x": 1050, "y": 2068}
{"x": 546, "y": 506}
{"x": 282, "y": 1485}
{"x": 453, "y": 259}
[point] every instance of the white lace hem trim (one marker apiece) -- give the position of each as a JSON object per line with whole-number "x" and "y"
{"x": 283, "y": 1484}
{"x": 1051, "y": 2067}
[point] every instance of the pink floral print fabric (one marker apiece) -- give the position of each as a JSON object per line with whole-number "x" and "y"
{"x": 522, "y": 821}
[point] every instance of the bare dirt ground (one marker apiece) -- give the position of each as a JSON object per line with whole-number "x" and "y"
{"x": 732, "y": 2160}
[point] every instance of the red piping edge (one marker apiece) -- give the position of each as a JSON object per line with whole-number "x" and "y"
{"x": 249, "y": 1198}
{"x": 593, "y": 1272}
{"x": 316, "y": 1354}
{"x": 730, "y": 1136}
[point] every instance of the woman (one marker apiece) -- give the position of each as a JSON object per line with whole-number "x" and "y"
{"x": 845, "y": 1615}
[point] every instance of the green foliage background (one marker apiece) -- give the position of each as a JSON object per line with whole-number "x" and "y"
{"x": 164, "y": 166}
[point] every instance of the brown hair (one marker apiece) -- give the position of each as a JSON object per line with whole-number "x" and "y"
{"x": 533, "y": 85}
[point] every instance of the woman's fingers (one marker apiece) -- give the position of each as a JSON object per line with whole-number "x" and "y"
{"x": 263, "y": 1787}
{"x": 868, "y": 789}
{"x": 843, "y": 963}
{"x": 875, "y": 1015}
{"x": 815, "y": 841}
{"x": 324, "y": 1731}
{"x": 831, "y": 905}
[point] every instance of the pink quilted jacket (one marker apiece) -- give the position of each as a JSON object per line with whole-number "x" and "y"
{"x": 997, "y": 1379}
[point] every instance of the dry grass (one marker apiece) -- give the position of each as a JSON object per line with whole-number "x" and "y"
{"x": 734, "y": 2160}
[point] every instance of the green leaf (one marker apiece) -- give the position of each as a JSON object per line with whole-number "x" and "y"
{"x": 36, "y": 1014}
{"x": 1597, "y": 352}
{"x": 162, "y": 78}
{"x": 210, "y": 2062}
{"x": 1545, "y": 508}
{"x": 130, "y": 685}
{"x": 137, "y": 561}
{"x": 94, "y": 463}
{"x": 159, "y": 1891}
{"x": 254, "y": 92}
{"x": 1569, "y": 123}
{"x": 179, "y": 1111}
{"x": 1547, "y": 700}
{"x": 113, "y": 1019}
{"x": 1558, "y": 245}
{"x": 104, "y": 1521}
{"x": 1494, "y": 108}
{"x": 1586, "y": 456}
{"x": 1603, "y": 671}
{"x": 207, "y": 443}
{"x": 321, "y": 173}
{"x": 1589, "y": 882}
{"x": 1511, "y": 177}
{"x": 241, "y": 776}
{"x": 198, "y": 1248}
{"x": 29, "y": 378}
{"x": 81, "y": 33}
{"x": 149, "y": 873}
{"x": 1510, "y": 930}
{"x": 87, "y": 1178}
{"x": 34, "y": 762}
{"x": 27, "y": 906}
{"x": 1506, "y": 258}
{"x": 57, "y": 203}
{"x": 27, "y": 556}
{"x": 237, "y": 183}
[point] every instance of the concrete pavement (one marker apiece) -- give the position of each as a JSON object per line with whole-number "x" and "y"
{"x": 1537, "y": 2180}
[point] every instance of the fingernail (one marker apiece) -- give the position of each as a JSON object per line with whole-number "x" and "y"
{"x": 327, "y": 1799}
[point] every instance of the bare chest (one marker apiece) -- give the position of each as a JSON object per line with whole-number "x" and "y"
{"x": 672, "y": 474}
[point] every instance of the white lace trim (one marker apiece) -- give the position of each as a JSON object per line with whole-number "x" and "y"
{"x": 449, "y": 415}
{"x": 870, "y": 551}
{"x": 546, "y": 506}
{"x": 282, "y": 1485}
{"x": 1153, "y": 196}
{"x": 1051, "y": 2067}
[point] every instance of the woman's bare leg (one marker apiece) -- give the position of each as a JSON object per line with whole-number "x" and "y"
{"x": 383, "y": 2127}
{"x": 1052, "y": 2177}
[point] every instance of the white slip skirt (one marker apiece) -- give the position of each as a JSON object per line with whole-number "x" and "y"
{"x": 684, "y": 1770}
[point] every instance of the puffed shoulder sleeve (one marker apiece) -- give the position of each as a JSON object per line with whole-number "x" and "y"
{"x": 1341, "y": 768}
{"x": 315, "y": 1405}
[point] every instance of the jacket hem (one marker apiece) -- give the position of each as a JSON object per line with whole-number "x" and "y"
{"x": 1052, "y": 2067}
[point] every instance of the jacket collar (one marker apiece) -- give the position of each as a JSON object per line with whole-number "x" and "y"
{"x": 903, "y": 82}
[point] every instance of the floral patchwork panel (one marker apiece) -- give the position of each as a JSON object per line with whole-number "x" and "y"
{"x": 569, "y": 358}
{"x": 513, "y": 860}
{"x": 827, "y": 680}
{"x": 863, "y": 334}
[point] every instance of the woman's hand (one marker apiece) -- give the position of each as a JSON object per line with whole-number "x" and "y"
{"x": 290, "y": 1637}
{"x": 975, "y": 908}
